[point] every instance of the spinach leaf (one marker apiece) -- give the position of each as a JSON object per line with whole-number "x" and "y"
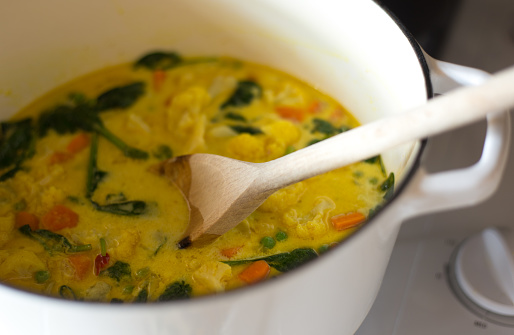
{"x": 142, "y": 296}
{"x": 117, "y": 271}
{"x": 235, "y": 117}
{"x": 71, "y": 118}
{"x": 246, "y": 91}
{"x": 159, "y": 60}
{"x": 163, "y": 152}
{"x": 326, "y": 128}
{"x": 246, "y": 129}
{"x": 177, "y": 290}
{"x": 53, "y": 242}
{"x": 388, "y": 187}
{"x": 120, "y": 97}
{"x": 128, "y": 208}
{"x": 372, "y": 160}
{"x": 282, "y": 262}
{"x": 17, "y": 143}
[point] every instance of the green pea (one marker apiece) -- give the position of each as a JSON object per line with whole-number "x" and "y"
{"x": 268, "y": 242}
{"x": 41, "y": 276}
{"x": 281, "y": 236}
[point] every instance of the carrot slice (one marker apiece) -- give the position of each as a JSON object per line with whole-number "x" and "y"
{"x": 25, "y": 218}
{"x": 230, "y": 252}
{"x": 254, "y": 273}
{"x": 78, "y": 143}
{"x": 60, "y": 157}
{"x": 345, "y": 221}
{"x": 293, "y": 113}
{"x": 59, "y": 217}
{"x": 81, "y": 264}
{"x": 158, "y": 79}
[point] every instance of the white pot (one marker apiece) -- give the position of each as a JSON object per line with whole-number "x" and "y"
{"x": 350, "y": 49}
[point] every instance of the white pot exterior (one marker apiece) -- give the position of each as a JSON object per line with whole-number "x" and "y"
{"x": 350, "y": 49}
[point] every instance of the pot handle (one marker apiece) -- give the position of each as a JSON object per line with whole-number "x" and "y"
{"x": 428, "y": 193}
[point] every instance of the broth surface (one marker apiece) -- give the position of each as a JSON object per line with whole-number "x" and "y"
{"x": 99, "y": 225}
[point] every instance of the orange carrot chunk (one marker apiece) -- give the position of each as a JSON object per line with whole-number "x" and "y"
{"x": 60, "y": 157}
{"x": 230, "y": 252}
{"x": 345, "y": 221}
{"x": 256, "y": 272}
{"x": 59, "y": 217}
{"x": 158, "y": 79}
{"x": 293, "y": 113}
{"x": 81, "y": 264}
{"x": 78, "y": 143}
{"x": 26, "y": 218}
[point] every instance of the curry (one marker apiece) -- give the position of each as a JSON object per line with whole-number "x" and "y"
{"x": 83, "y": 217}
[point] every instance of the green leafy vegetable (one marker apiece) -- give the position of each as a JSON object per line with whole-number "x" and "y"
{"x": 388, "y": 187}
{"x": 117, "y": 271}
{"x": 116, "y": 301}
{"x": 94, "y": 176}
{"x": 372, "y": 160}
{"x": 246, "y": 129}
{"x": 67, "y": 293}
{"x": 128, "y": 208}
{"x": 177, "y": 290}
{"x": 235, "y": 117}
{"x": 53, "y": 242}
{"x": 282, "y": 262}
{"x": 159, "y": 60}
{"x": 71, "y": 118}
{"x": 142, "y": 296}
{"x": 120, "y": 97}
{"x": 326, "y": 128}
{"x": 246, "y": 91}
{"x": 163, "y": 152}
{"x": 17, "y": 143}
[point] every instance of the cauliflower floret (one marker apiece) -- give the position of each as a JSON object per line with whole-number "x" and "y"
{"x": 282, "y": 131}
{"x": 247, "y": 147}
{"x": 21, "y": 264}
{"x": 282, "y": 199}
{"x": 186, "y": 119}
{"x": 314, "y": 223}
{"x": 213, "y": 275}
{"x": 127, "y": 244}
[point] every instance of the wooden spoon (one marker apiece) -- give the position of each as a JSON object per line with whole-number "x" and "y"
{"x": 222, "y": 192}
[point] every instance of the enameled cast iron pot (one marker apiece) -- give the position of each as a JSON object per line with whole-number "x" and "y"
{"x": 351, "y": 49}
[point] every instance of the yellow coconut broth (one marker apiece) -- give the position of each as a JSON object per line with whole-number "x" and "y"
{"x": 185, "y": 107}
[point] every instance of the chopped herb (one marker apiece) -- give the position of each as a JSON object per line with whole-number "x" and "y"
{"x": 177, "y": 290}
{"x": 163, "y": 152}
{"x": 282, "y": 262}
{"x": 235, "y": 117}
{"x": 142, "y": 296}
{"x": 281, "y": 236}
{"x": 117, "y": 271}
{"x": 94, "y": 175}
{"x": 388, "y": 187}
{"x": 246, "y": 129}
{"x": 268, "y": 242}
{"x": 159, "y": 60}
{"x": 67, "y": 293}
{"x": 160, "y": 246}
{"x": 41, "y": 276}
{"x": 53, "y": 242}
{"x": 120, "y": 97}
{"x": 246, "y": 91}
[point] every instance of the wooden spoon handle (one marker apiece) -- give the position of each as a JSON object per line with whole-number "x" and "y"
{"x": 458, "y": 108}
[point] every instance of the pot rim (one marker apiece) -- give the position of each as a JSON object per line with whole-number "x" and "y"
{"x": 261, "y": 286}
